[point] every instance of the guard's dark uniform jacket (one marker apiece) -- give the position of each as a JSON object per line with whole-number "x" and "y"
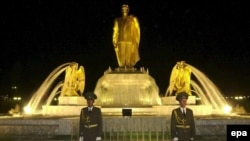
{"x": 90, "y": 124}
{"x": 182, "y": 125}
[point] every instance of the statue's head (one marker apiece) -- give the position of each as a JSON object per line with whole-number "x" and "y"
{"x": 125, "y": 8}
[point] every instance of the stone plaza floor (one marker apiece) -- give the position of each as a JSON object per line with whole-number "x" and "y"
{"x": 136, "y": 128}
{"x": 70, "y": 138}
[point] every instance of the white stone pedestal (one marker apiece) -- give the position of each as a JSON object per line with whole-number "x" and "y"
{"x": 67, "y": 105}
{"x": 71, "y": 100}
{"x": 171, "y": 100}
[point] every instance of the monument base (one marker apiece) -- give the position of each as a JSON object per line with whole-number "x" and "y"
{"x": 171, "y": 100}
{"x": 63, "y": 110}
{"x": 200, "y": 110}
{"x": 127, "y": 87}
{"x": 71, "y": 100}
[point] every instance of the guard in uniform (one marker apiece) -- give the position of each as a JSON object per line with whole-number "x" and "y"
{"x": 90, "y": 128}
{"x": 182, "y": 120}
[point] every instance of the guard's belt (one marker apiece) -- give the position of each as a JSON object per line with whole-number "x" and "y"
{"x": 91, "y": 125}
{"x": 183, "y": 126}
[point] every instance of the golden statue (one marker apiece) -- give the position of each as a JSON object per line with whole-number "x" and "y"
{"x": 74, "y": 82}
{"x": 126, "y": 38}
{"x": 180, "y": 79}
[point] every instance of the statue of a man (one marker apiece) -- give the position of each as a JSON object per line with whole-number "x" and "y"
{"x": 126, "y": 38}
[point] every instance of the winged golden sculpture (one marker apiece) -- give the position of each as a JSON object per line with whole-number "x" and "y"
{"x": 180, "y": 79}
{"x": 74, "y": 82}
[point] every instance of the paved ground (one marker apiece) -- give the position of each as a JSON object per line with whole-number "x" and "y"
{"x": 68, "y": 138}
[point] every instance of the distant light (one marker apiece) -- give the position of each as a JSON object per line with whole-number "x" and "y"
{"x": 238, "y": 97}
{"x": 227, "y": 109}
{"x": 14, "y": 87}
{"x": 17, "y": 98}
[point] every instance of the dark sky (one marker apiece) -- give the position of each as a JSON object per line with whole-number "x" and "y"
{"x": 38, "y": 36}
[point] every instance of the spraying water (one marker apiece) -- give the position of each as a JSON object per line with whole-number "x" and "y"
{"x": 202, "y": 87}
{"x": 36, "y": 98}
{"x": 208, "y": 91}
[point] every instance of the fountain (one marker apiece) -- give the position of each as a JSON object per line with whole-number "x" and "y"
{"x": 36, "y": 98}
{"x": 70, "y": 91}
{"x": 200, "y": 89}
{"x": 126, "y": 88}
{"x": 121, "y": 88}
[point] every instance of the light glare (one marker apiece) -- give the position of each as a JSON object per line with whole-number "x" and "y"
{"x": 27, "y": 110}
{"x": 227, "y": 109}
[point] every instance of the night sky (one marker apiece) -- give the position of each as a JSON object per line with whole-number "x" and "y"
{"x": 38, "y": 36}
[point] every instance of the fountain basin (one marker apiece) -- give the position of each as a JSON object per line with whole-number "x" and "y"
{"x": 114, "y": 127}
{"x": 74, "y": 110}
{"x": 71, "y": 100}
{"x": 171, "y": 100}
